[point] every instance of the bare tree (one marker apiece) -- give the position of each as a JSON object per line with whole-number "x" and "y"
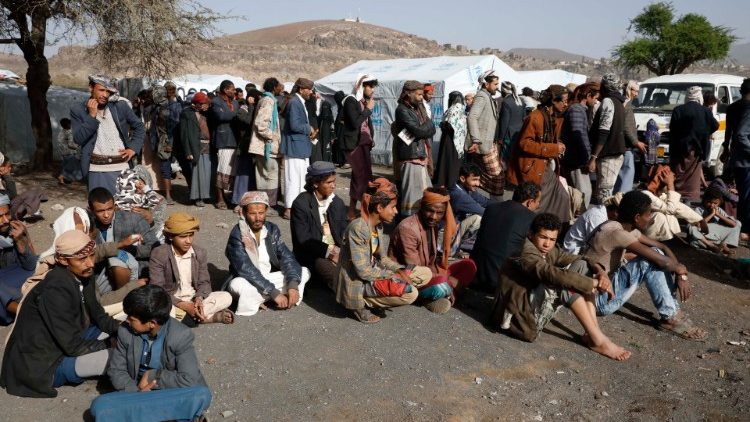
{"x": 151, "y": 38}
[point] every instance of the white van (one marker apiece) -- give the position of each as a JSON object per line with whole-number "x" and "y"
{"x": 660, "y": 95}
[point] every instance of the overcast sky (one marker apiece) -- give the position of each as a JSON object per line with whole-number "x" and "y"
{"x": 589, "y": 27}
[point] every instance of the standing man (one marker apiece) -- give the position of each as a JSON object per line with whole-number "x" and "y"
{"x": 296, "y": 143}
{"x": 737, "y": 150}
{"x": 411, "y": 131}
{"x": 266, "y": 139}
{"x": 223, "y": 114}
{"x": 109, "y": 134}
{"x": 196, "y": 144}
{"x": 357, "y": 138}
{"x": 575, "y": 136}
{"x": 608, "y": 138}
{"x": 482, "y": 124}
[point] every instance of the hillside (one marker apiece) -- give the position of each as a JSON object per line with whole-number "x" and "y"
{"x": 316, "y": 48}
{"x": 741, "y": 53}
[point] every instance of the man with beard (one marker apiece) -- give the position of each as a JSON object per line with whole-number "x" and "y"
{"x": 482, "y": 125}
{"x": 109, "y": 134}
{"x": 262, "y": 267}
{"x": 54, "y": 341}
{"x": 296, "y": 142}
{"x": 17, "y": 261}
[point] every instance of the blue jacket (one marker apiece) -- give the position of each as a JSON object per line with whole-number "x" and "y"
{"x": 466, "y": 203}
{"x": 222, "y": 121}
{"x": 85, "y": 128}
{"x": 295, "y": 139}
{"x": 280, "y": 256}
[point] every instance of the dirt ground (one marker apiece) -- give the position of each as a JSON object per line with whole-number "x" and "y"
{"x": 317, "y": 363}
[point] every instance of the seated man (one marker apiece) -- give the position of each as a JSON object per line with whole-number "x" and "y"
{"x": 415, "y": 242}
{"x": 54, "y": 341}
{"x": 667, "y": 208}
{"x": 586, "y": 223}
{"x": 648, "y": 262}
{"x": 262, "y": 267}
{"x": 468, "y": 204}
{"x": 17, "y": 261}
{"x": 162, "y": 382}
{"x": 181, "y": 268}
{"x": 368, "y": 279}
{"x": 722, "y": 231}
{"x": 535, "y": 285}
{"x": 502, "y": 233}
{"x": 319, "y": 223}
{"x": 115, "y": 226}
{"x": 24, "y": 205}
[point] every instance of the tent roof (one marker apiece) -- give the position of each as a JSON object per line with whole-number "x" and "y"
{"x": 422, "y": 69}
{"x": 541, "y": 79}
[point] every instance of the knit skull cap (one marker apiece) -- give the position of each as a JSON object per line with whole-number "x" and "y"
{"x": 254, "y": 197}
{"x": 110, "y": 84}
{"x": 611, "y": 81}
{"x": 695, "y": 93}
{"x": 74, "y": 244}
{"x": 180, "y": 223}
{"x": 413, "y": 85}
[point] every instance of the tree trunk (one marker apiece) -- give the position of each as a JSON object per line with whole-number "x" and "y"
{"x": 37, "y": 83}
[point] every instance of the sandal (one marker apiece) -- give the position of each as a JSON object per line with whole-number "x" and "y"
{"x": 365, "y": 316}
{"x": 221, "y": 206}
{"x": 683, "y": 327}
{"x": 222, "y": 315}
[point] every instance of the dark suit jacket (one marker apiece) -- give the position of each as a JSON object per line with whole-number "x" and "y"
{"x": 127, "y": 223}
{"x": 690, "y": 127}
{"x": 510, "y": 121}
{"x": 180, "y": 367}
{"x": 190, "y": 134}
{"x": 307, "y": 230}
{"x": 85, "y": 128}
{"x": 163, "y": 271}
{"x": 223, "y": 124}
{"x": 50, "y": 326}
{"x": 353, "y": 115}
{"x": 295, "y": 135}
{"x": 501, "y": 235}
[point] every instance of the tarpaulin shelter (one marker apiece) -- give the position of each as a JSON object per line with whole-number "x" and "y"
{"x": 541, "y": 79}
{"x": 16, "y": 136}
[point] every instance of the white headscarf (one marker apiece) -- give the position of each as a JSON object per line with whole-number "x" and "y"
{"x": 694, "y": 93}
{"x": 359, "y": 87}
{"x": 66, "y": 222}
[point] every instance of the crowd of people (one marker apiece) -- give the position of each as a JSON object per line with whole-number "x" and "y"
{"x": 123, "y": 281}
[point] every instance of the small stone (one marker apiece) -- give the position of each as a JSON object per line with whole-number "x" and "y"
{"x": 551, "y": 357}
{"x": 210, "y": 361}
{"x": 57, "y": 207}
{"x": 222, "y": 225}
{"x": 65, "y": 400}
{"x": 737, "y": 343}
{"x": 538, "y": 418}
{"x": 553, "y": 402}
{"x": 410, "y": 403}
{"x": 478, "y": 380}
{"x": 722, "y": 373}
{"x": 605, "y": 394}
{"x": 227, "y": 413}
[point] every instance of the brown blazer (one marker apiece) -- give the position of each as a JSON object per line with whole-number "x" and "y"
{"x": 529, "y": 157}
{"x": 163, "y": 271}
{"x": 409, "y": 244}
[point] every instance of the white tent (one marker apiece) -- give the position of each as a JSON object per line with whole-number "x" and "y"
{"x": 446, "y": 73}
{"x": 16, "y": 136}
{"x": 541, "y": 79}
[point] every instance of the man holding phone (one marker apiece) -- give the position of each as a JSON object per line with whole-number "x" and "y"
{"x": 108, "y": 131}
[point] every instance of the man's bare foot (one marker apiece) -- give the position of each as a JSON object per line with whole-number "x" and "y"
{"x": 607, "y": 348}
{"x": 225, "y": 317}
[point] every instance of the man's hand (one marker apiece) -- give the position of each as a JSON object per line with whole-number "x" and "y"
{"x": 189, "y": 308}
{"x": 198, "y": 305}
{"x": 668, "y": 179}
{"x": 126, "y": 153}
{"x": 282, "y": 302}
{"x": 605, "y": 285}
{"x": 17, "y": 230}
{"x": 293, "y": 297}
{"x": 683, "y": 286}
{"x": 560, "y": 149}
{"x": 250, "y": 100}
{"x": 5, "y": 170}
{"x": 189, "y": 157}
{"x": 641, "y": 147}
{"x": 145, "y": 213}
{"x": 403, "y": 275}
{"x": 93, "y": 107}
{"x": 592, "y": 165}
{"x": 334, "y": 256}
{"x": 473, "y": 148}
{"x": 129, "y": 240}
{"x": 680, "y": 269}
{"x": 144, "y": 384}
{"x": 142, "y": 282}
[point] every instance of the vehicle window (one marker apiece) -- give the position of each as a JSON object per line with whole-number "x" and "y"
{"x": 666, "y": 96}
{"x": 723, "y": 95}
{"x": 735, "y": 91}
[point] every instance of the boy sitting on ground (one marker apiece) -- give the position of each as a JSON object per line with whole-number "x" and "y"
{"x": 722, "y": 231}
{"x": 535, "y": 285}
{"x": 154, "y": 366}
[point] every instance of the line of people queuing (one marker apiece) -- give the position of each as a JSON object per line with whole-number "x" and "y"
{"x": 130, "y": 280}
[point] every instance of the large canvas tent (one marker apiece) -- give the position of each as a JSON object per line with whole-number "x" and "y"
{"x": 446, "y": 73}
{"x": 17, "y": 139}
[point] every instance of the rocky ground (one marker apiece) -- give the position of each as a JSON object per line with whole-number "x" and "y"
{"x": 317, "y": 363}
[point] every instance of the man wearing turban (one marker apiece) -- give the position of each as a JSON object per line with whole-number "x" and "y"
{"x": 54, "y": 341}
{"x": 181, "y": 268}
{"x": 416, "y": 241}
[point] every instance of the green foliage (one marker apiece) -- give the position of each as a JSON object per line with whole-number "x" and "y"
{"x": 666, "y": 46}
